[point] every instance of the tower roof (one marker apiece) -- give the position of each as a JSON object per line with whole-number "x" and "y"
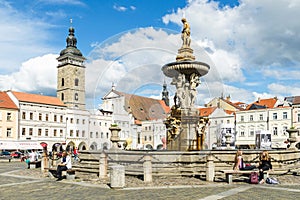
{"x": 71, "y": 47}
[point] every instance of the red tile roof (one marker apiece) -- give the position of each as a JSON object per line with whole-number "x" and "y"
{"x": 144, "y": 108}
{"x": 268, "y": 103}
{"x": 36, "y": 98}
{"x": 205, "y": 112}
{"x": 6, "y": 102}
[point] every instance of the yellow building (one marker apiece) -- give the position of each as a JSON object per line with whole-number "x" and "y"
{"x": 8, "y": 118}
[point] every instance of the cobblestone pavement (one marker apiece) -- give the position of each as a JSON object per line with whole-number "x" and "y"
{"x": 18, "y": 182}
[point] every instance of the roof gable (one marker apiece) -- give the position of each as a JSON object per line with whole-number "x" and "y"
{"x": 112, "y": 94}
{"x": 144, "y": 108}
{"x": 6, "y": 102}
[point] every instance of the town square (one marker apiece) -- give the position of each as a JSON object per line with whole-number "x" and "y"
{"x": 153, "y": 113}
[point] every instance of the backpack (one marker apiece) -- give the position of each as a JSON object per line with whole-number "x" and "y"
{"x": 254, "y": 178}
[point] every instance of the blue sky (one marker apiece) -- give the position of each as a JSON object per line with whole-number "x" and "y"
{"x": 251, "y": 45}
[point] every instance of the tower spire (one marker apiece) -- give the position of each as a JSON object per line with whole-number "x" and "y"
{"x": 165, "y": 94}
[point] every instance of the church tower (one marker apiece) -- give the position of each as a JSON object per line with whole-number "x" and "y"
{"x": 71, "y": 74}
{"x": 165, "y": 94}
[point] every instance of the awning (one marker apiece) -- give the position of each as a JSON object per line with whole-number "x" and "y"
{"x": 9, "y": 145}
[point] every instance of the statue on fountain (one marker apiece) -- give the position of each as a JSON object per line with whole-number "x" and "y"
{"x": 185, "y": 34}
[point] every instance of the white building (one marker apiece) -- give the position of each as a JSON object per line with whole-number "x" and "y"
{"x": 41, "y": 118}
{"x": 133, "y": 114}
{"x": 266, "y": 116}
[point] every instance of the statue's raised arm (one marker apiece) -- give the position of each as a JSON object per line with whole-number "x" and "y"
{"x": 185, "y": 34}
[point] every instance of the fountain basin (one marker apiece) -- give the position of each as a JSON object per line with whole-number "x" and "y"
{"x": 185, "y": 67}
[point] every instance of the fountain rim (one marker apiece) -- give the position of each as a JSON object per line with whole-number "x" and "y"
{"x": 169, "y": 73}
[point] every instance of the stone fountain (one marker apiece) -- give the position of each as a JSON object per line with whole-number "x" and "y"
{"x": 185, "y": 129}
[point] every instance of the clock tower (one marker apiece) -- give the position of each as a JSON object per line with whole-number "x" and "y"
{"x": 71, "y": 74}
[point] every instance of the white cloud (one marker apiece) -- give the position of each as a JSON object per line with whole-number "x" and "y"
{"x": 35, "y": 75}
{"x": 120, "y": 8}
{"x": 260, "y": 32}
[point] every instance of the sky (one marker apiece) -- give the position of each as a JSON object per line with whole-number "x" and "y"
{"x": 252, "y": 46}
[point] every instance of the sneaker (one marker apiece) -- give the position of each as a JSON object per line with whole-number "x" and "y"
{"x": 262, "y": 181}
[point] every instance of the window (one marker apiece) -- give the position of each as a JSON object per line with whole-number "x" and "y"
{"x": 145, "y": 138}
{"x": 62, "y": 82}
{"x": 251, "y": 133}
{"x": 77, "y": 133}
{"x": 76, "y": 81}
{"x": 61, "y": 133}
{"x": 76, "y": 97}
{"x": 30, "y": 131}
{"x": 261, "y": 117}
{"x": 55, "y": 118}
{"x": 83, "y": 133}
{"x": 146, "y": 128}
{"x": 39, "y": 132}
{"x": 274, "y": 116}
{"x": 242, "y": 118}
{"x": 97, "y": 135}
{"x": 275, "y": 131}
{"x": 77, "y": 121}
{"x": 91, "y": 134}
{"x": 62, "y": 96}
{"x": 46, "y": 132}
{"x": 83, "y": 121}
{"x": 71, "y": 133}
{"x": 251, "y": 117}
{"x": 8, "y": 117}
{"x": 150, "y": 138}
{"x": 40, "y": 116}
{"x": 101, "y": 135}
{"x": 71, "y": 120}
{"x": 31, "y": 116}
{"x": 284, "y": 115}
{"x": 23, "y": 131}
{"x": 23, "y": 115}
{"x": 228, "y": 121}
{"x": 284, "y": 130}
{"x": 55, "y": 133}
{"x": 242, "y": 133}
{"x": 8, "y": 132}
{"x": 47, "y": 117}
{"x": 61, "y": 118}
{"x": 139, "y": 138}
{"x": 107, "y": 135}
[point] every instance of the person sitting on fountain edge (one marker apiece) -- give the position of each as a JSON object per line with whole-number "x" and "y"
{"x": 64, "y": 165}
{"x": 239, "y": 162}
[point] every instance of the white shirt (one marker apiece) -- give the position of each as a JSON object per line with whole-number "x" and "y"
{"x": 32, "y": 156}
{"x": 68, "y": 162}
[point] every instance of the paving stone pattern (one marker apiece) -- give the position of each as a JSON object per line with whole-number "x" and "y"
{"x": 18, "y": 182}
